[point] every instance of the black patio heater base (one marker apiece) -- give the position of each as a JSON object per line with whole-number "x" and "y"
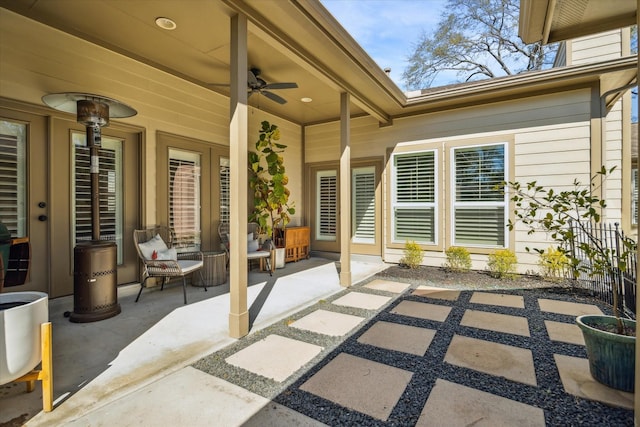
{"x": 95, "y": 293}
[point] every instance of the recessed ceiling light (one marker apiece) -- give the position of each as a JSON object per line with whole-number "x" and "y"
{"x": 166, "y": 23}
{"x": 306, "y": 99}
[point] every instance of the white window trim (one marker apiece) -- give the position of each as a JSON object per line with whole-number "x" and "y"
{"x": 452, "y": 191}
{"x": 354, "y": 172}
{"x": 436, "y": 196}
{"x": 319, "y": 175}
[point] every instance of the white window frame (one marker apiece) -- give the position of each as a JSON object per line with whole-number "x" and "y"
{"x": 318, "y": 228}
{"x": 194, "y": 157}
{"x": 504, "y": 203}
{"x": 14, "y": 213}
{"x": 371, "y": 209}
{"x": 395, "y": 204}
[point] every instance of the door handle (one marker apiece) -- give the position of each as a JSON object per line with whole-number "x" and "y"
{"x": 42, "y": 218}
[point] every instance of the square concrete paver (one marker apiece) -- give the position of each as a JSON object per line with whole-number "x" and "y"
{"x": 274, "y": 357}
{"x": 422, "y": 310}
{"x": 503, "y": 300}
{"x": 496, "y": 322}
{"x": 577, "y": 380}
{"x": 404, "y": 338}
{"x": 564, "y": 332}
{"x": 513, "y": 363}
{"x": 387, "y": 285}
{"x": 362, "y": 300}
{"x": 437, "y": 293}
{"x": 328, "y": 322}
{"x": 363, "y": 385}
{"x": 568, "y": 308}
{"x": 451, "y": 404}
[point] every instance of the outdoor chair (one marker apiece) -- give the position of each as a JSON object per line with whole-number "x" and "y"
{"x": 155, "y": 247}
{"x": 262, "y": 253}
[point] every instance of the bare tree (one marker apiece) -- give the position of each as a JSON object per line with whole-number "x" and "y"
{"x": 476, "y": 39}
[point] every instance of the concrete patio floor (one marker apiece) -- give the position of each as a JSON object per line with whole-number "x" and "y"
{"x": 162, "y": 375}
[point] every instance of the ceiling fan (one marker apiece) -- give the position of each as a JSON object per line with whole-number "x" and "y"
{"x": 258, "y": 85}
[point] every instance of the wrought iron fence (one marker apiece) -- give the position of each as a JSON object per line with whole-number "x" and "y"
{"x": 602, "y": 284}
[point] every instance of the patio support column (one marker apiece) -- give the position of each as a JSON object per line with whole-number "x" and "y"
{"x": 345, "y": 190}
{"x": 238, "y": 129}
{"x": 636, "y": 396}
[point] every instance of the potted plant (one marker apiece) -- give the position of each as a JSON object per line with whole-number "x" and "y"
{"x": 610, "y": 340}
{"x": 268, "y": 180}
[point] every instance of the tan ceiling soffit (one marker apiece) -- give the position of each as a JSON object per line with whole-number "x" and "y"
{"x": 550, "y": 21}
{"x": 262, "y": 22}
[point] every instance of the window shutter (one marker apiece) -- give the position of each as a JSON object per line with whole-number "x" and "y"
{"x": 108, "y": 184}
{"x": 363, "y": 210}
{"x": 12, "y": 177}
{"x": 414, "y": 194}
{"x": 327, "y": 210}
{"x": 224, "y": 190}
{"x": 184, "y": 200}
{"x": 479, "y": 204}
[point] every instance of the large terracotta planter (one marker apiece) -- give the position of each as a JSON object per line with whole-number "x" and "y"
{"x": 611, "y": 356}
{"x": 20, "y": 347}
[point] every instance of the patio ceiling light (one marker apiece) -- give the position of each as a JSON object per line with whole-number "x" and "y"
{"x": 306, "y": 99}
{"x": 166, "y": 23}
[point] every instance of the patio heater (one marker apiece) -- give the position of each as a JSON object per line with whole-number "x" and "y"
{"x": 95, "y": 281}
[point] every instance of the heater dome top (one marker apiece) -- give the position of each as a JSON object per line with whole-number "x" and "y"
{"x": 68, "y": 102}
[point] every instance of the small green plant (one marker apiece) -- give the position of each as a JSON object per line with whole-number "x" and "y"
{"x": 413, "y": 255}
{"x": 553, "y": 263}
{"x": 502, "y": 264}
{"x": 458, "y": 259}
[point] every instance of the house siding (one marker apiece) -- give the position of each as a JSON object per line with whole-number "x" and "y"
{"x": 31, "y": 67}
{"x": 551, "y": 144}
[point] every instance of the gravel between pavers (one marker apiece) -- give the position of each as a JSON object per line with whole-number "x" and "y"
{"x": 560, "y": 408}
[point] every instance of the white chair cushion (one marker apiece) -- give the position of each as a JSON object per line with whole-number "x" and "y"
{"x": 258, "y": 254}
{"x": 187, "y": 265}
{"x": 154, "y": 244}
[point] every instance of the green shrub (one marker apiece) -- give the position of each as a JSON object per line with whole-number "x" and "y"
{"x": 413, "y": 255}
{"x": 553, "y": 263}
{"x": 458, "y": 259}
{"x": 502, "y": 264}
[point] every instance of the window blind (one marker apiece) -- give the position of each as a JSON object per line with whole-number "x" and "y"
{"x": 327, "y": 205}
{"x": 414, "y": 194}
{"x": 184, "y": 201}
{"x": 224, "y": 190}
{"x": 479, "y": 205}
{"x": 363, "y": 209}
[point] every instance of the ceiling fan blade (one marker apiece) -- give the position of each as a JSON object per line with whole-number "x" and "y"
{"x": 272, "y": 96}
{"x": 281, "y": 86}
{"x": 252, "y": 79}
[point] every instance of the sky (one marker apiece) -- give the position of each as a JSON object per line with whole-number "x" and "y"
{"x": 388, "y": 30}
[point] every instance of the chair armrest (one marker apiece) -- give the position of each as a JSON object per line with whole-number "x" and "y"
{"x": 195, "y": 256}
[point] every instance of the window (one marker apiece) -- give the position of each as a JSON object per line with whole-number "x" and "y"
{"x": 13, "y": 166}
{"x": 110, "y": 190}
{"x": 479, "y": 207}
{"x": 224, "y": 190}
{"x": 414, "y": 196}
{"x": 326, "y": 205}
{"x": 363, "y": 221}
{"x": 184, "y": 199}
